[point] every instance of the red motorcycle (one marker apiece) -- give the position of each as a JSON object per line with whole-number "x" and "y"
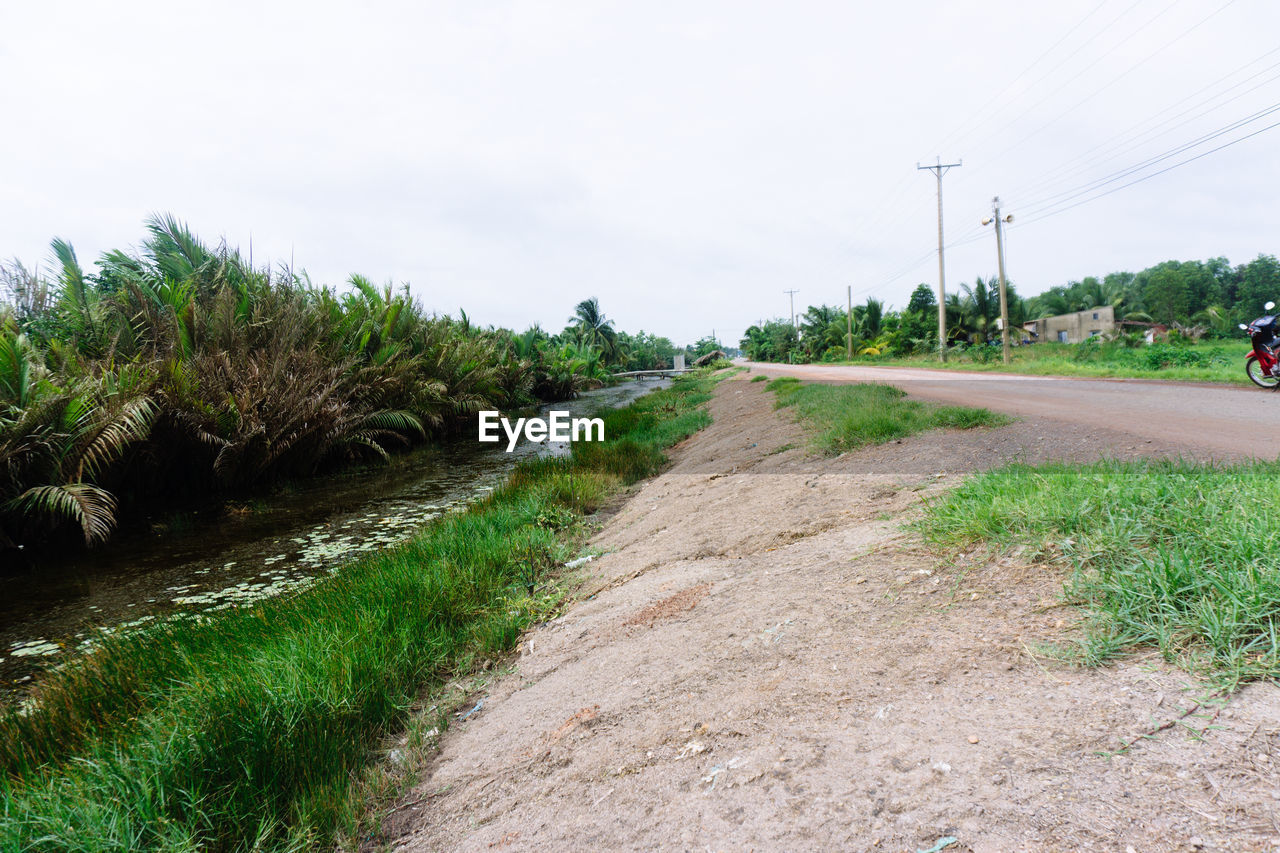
{"x": 1263, "y": 365}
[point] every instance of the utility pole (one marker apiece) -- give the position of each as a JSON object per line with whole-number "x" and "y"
{"x": 848, "y": 340}
{"x": 792, "y": 294}
{"x": 1004, "y": 301}
{"x": 939, "y": 170}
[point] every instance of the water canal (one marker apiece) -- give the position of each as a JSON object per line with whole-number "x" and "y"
{"x": 233, "y": 554}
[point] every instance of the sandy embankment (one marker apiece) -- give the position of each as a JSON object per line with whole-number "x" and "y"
{"x": 772, "y": 662}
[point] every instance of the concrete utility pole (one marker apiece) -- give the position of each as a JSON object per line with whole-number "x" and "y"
{"x": 939, "y": 170}
{"x": 792, "y": 294}
{"x": 1004, "y": 301}
{"x": 849, "y": 322}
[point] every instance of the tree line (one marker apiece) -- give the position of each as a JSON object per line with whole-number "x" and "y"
{"x": 179, "y": 371}
{"x": 1195, "y": 298}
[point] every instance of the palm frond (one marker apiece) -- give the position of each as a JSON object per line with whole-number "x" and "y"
{"x": 393, "y": 421}
{"x": 92, "y": 508}
{"x": 366, "y": 288}
{"x": 108, "y": 440}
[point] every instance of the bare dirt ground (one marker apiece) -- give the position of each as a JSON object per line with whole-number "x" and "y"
{"x": 772, "y": 662}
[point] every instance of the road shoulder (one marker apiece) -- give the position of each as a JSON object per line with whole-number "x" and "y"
{"x": 770, "y": 660}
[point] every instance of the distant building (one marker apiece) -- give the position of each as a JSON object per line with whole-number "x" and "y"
{"x": 1072, "y": 328}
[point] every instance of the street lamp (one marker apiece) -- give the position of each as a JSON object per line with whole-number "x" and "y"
{"x": 1004, "y": 302}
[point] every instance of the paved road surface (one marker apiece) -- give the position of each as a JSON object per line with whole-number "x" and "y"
{"x": 1223, "y": 421}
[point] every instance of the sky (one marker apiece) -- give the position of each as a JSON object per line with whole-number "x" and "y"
{"x": 685, "y": 163}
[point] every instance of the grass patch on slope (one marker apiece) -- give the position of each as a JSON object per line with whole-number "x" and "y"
{"x": 1181, "y": 556}
{"x": 844, "y": 417}
{"x": 249, "y": 729}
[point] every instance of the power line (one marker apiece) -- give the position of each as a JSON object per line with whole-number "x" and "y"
{"x": 902, "y": 272}
{"x": 915, "y": 264}
{"x": 1049, "y": 201}
{"x": 1147, "y": 127}
{"x": 1114, "y": 148}
{"x": 976, "y": 118}
{"x": 888, "y": 218}
{"x": 970, "y": 237}
{"x": 1123, "y": 40}
{"x": 1114, "y": 80}
{"x": 1153, "y": 174}
{"x": 885, "y": 222}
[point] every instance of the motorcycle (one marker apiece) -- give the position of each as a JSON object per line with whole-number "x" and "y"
{"x": 1263, "y": 364}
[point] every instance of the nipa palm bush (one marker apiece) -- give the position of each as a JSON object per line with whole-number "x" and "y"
{"x": 275, "y": 396}
{"x": 56, "y": 441}
{"x": 180, "y": 369}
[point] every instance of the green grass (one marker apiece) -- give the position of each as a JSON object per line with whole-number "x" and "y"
{"x": 1176, "y": 555}
{"x": 249, "y": 730}
{"x": 1217, "y": 361}
{"x": 844, "y": 417}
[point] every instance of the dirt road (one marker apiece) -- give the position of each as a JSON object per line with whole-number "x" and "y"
{"x": 771, "y": 661}
{"x": 1226, "y": 421}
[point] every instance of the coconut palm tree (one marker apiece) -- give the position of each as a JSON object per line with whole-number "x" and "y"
{"x": 872, "y": 314}
{"x": 979, "y": 306}
{"x": 756, "y": 344}
{"x": 1051, "y": 303}
{"x": 823, "y": 328}
{"x": 1092, "y": 293}
{"x": 594, "y": 329}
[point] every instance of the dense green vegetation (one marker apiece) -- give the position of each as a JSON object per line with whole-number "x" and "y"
{"x": 245, "y": 730}
{"x": 1195, "y": 299}
{"x": 1175, "y": 555}
{"x": 1207, "y": 361}
{"x": 844, "y": 417}
{"x": 180, "y": 371}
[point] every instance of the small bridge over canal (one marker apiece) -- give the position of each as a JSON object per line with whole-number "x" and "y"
{"x": 636, "y": 374}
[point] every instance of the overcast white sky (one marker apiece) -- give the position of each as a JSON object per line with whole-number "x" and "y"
{"x": 684, "y": 162}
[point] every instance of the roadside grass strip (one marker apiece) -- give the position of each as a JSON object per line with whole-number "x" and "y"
{"x": 845, "y": 417}
{"x": 1218, "y": 361}
{"x": 1181, "y": 556}
{"x": 249, "y": 729}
